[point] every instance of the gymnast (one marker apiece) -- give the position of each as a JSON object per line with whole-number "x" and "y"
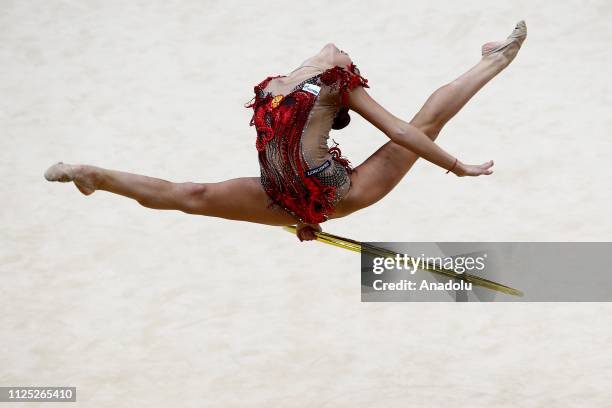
{"x": 303, "y": 180}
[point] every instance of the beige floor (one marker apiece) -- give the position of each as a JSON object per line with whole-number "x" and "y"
{"x": 159, "y": 309}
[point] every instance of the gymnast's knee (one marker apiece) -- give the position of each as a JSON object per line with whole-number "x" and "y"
{"x": 192, "y": 198}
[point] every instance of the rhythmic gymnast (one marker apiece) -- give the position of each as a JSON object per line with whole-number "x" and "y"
{"x": 303, "y": 181}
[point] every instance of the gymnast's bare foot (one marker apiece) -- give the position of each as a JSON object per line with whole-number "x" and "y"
{"x": 505, "y": 51}
{"x": 84, "y": 177}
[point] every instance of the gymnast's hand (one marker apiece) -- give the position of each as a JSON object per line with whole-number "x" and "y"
{"x": 306, "y": 232}
{"x": 462, "y": 170}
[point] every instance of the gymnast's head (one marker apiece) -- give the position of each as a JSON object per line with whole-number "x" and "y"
{"x": 334, "y": 55}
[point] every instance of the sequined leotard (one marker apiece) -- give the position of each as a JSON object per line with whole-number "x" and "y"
{"x": 299, "y": 171}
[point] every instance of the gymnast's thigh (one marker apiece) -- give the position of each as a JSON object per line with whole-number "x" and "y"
{"x": 241, "y": 199}
{"x": 376, "y": 177}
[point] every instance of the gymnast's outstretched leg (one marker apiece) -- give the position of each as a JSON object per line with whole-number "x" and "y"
{"x": 242, "y": 199}
{"x": 381, "y": 172}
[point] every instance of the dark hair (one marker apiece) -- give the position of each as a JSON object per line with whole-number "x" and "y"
{"x": 342, "y": 119}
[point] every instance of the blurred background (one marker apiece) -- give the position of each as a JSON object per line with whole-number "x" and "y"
{"x": 135, "y": 306}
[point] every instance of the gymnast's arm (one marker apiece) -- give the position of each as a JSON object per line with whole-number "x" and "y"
{"x": 409, "y": 136}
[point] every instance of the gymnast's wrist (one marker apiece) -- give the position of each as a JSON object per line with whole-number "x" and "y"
{"x": 458, "y": 168}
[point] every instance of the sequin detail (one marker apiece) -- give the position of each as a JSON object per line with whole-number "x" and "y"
{"x": 280, "y": 121}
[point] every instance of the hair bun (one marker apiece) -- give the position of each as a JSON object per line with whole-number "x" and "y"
{"x": 342, "y": 119}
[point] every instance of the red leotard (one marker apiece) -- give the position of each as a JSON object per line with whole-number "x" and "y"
{"x": 299, "y": 171}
